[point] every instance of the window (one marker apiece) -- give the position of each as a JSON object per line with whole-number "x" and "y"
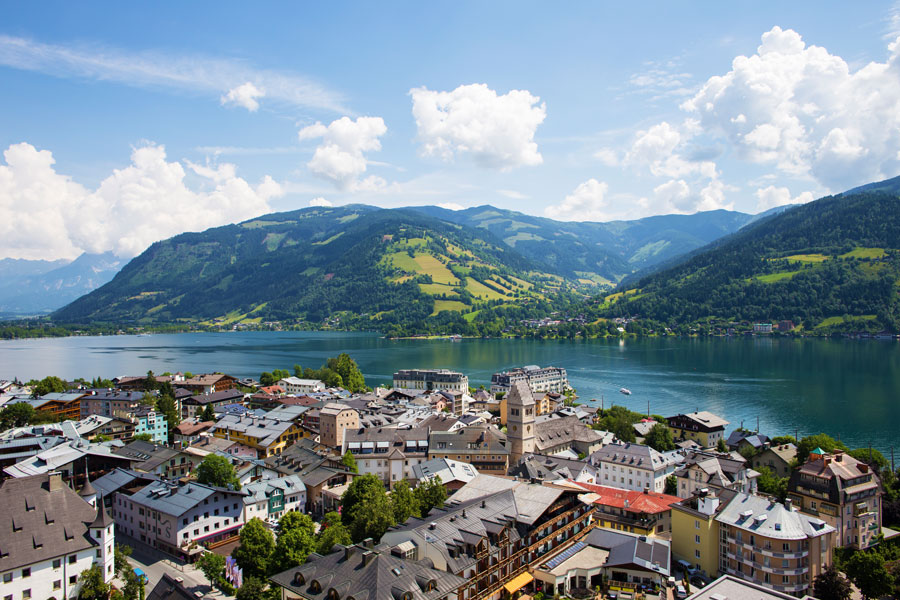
{"x": 26, "y": 594}
{"x": 184, "y": 521}
{"x": 7, "y": 577}
{"x": 696, "y": 554}
{"x": 73, "y": 579}
{"x": 784, "y": 563}
{"x": 57, "y": 584}
{"x": 26, "y": 572}
{"x": 696, "y": 539}
{"x": 696, "y": 524}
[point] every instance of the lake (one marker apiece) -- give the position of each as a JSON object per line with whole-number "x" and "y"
{"x": 846, "y": 388}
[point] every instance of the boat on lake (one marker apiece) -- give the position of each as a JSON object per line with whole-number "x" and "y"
{"x": 625, "y": 391}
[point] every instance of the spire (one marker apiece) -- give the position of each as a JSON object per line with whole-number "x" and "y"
{"x": 103, "y": 520}
{"x": 88, "y": 490}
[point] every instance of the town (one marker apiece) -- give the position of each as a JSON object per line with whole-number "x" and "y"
{"x": 312, "y": 485}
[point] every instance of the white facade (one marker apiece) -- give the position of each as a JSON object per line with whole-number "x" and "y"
{"x": 295, "y": 385}
{"x": 272, "y": 498}
{"x": 59, "y": 577}
{"x": 546, "y": 379}
{"x": 632, "y": 467}
{"x": 431, "y": 379}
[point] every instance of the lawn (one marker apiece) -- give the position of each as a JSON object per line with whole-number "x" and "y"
{"x": 838, "y": 320}
{"x": 438, "y": 270}
{"x": 804, "y": 258}
{"x": 435, "y": 289}
{"x": 860, "y": 252}
{"x": 329, "y": 240}
{"x": 441, "y": 305}
{"x": 773, "y": 277}
{"x": 479, "y": 290}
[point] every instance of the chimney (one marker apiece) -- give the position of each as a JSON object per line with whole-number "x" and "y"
{"x": 349, "y": 551}
{"x": 368, "y": 543}
{"x": 55, "y": 481}
{"x": 432, "y": 525}
{"x": 368, "y": 556}
{"x": 863, "y": 467}
{"x": 789, "y": 504}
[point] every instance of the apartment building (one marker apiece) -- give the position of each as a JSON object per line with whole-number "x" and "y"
{"x": 643, "y": 513}
{"x": 270, "y": 499}
{"x": 431, "y": 379}
{"x": 146, "y": 420}
{"x": 695, "y": 531}
{"x": 110, "y": 403}
{"x": 267, "y": 436}
{"x": 390, "y": 453}
{"x": 539, "y": 379}
{"x": 702, "y": 427}
{"x": 481, "y": 446}
{"x": 296, "y": 385}
{"x": 632, "y": 467}
{"x": 843, "y": 492}
{"x": 334, "y": 419}
{"x": 713, "y": 471}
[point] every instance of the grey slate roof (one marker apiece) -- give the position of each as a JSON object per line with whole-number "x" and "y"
{"x": 120, "y": 478}
{"x": 169, "y": 589}
{"x": 651, "y": 554}
{"x": 176, "y": 500}
{"x": 767, "y": 518}
{"x": 38, "y": 524}
{"x": 363, "y": 574}
{"x": 260, "y": 490}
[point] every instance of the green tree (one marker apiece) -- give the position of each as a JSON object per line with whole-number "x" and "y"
{"x": 120, "y": 557}
{"x": 332, "y": 532}
{"x": 351, "y": 376}
{"x": 671, "y": 485}
{"x": 19, "y": 414}
{"x": 47, "y": 385}
{"x": 780, "y": 440}
{"x": 820, "y": 440}
{"x": 213, "y": 567}
{"x": 769, "y": 483}
{"x": 255, "y": 550}
{"x": 366, "y": 509}
{"x": 873, "y": 458}
{"x": 266, "y": 379}
{"x": 721, "y": 446}
{"x": 348, "y": 461}
{"x": 660, "y": 438}
{"x": 291, "y": 549}
{"x": 867, "y": 571}
{"x": 294, "y": 520}
{"x": 143, "y": 437}
{"x": 403, "y": 502}
{"x": 298, "y": 371}
{"x": 253, "y": 589}
{"x": 830, "y": 584}
{"x": 430, "y": 493}
{"x": 280, "y": 374}
{"x": 150, "y": 383}
{"x": 92, "y": 585}
{"x": 134, "y": 586}
{"x": 167, "y": 406}
{"x": 218, "y": 471}
{"x": 208, "y": 413}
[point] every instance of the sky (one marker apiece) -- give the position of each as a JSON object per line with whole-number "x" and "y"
{"x": 125, "y": 123}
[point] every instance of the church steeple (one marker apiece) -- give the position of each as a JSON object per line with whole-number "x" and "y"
{"x": 520, "y": 421}
{"x": 87, "y": 492}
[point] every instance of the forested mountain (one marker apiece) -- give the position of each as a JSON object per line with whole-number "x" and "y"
{"x": 598, "y": 252}
{"x": 832, "y": 264}
{"x": 352, "y": 266}
{"x": 40, "y": 286}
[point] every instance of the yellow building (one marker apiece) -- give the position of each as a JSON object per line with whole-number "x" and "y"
{"x": 695, "y": 531}
{"x": 703, "y": 427}
{"x": 267, "y": 436}
{"x": 543, "y": 405}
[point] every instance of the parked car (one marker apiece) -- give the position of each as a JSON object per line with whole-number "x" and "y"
{"x": 680, "y": 592}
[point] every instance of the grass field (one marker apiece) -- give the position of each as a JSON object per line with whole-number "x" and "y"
{"x": 440, "y": 305}
{"x": 273, "y": 240}
{"x": 438, "y": 271}
{"x": 807, "y": 258}
{"x": 838, "y": 320}
{"x": 773, "y": 277}
{"x": 521, "y": 236}
{"x": 527, "y": 284}
{"x": 481, "y": 291}
{"x": 329, "y": 240}
{"x": 435, "y": 289}
{"x": 860, "y": 252}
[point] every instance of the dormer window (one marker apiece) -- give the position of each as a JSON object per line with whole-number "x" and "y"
{"x": 316, "y": 587}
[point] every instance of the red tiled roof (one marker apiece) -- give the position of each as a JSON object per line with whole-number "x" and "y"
{"x": 639, "y": 502}
{"x": 272, "y": 390}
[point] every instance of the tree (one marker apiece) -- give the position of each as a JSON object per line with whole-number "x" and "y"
{"x": 660, "y": 438}
{"x": 331, "y": 533}
{"x": 873, "y": 458}
{"x": 291, "y": 549}
{"x": 820, "y": 440}
{"x": 348, "y": 461}
{"x": 150, "y": 383}
{"x": 769, "y": 483}
{"x": 780, "y": 440}
{"x": 671, "y": 485}
{"x": 213, "y": 566}
{"x": 403, "y": 502}
{"x": 351, "y": 376}
{"x": 266, "y": 379}
{"x": 253, "y": 589}
{"x": 143, "y": 437}
{"x": 298, "y": 371}
{"x": 92, "y": 585}
{"x": 280, "y": 374}
{"x": 167, "y": 406}
{"x": 208, "y": 413}
{"x": 867, "y": 571}
{"x": 19, "y": 414}
{"x": 134, "y": 586}
{"x": 359, "y": 488}
{"x": 366, "y": 509}
{"x": 721, "y": 446}
{"x": 255, "y": 550}
{"x": 217, "y": 471}
{"x": 120, "y": 557}
{"x": 830, "y": 584}
{"x": 295, "y": 521}
{"x": 47, "y": 385}
{"x": 430, "y": 493}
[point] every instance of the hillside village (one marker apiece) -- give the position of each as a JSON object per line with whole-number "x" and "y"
{"x": 427, "y": 489}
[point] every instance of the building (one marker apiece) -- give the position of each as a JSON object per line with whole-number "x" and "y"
{"x": 733, "y": 588}
{"x": 267, "y": 436}
{"x": 163, "y": 461}
{"x": 703, "y": 427}
{"x": 481, "y": 446}
{"x": 452, "y": 473}
{"x": 190, "y": 430}
{"x": 539, "y": 379}
{"x": 713, "y": 471}
{"x": 147, "y": 420}
{"x": 544, "y": 403}
{"x": 323, "y": 475}
{"x": 493, "y": 531}
{"x": 169, "y": 588}
{"x": 431, "y": 379}
{"x": 113, "y": 428}
{"x": 557, "y": 434}
{"x": 171, "y": 517}
{"x": 192, "y": 406}
{"x": 61, "y": 406}
{"x": 269, "y": 499}
{"x": 365, "y": 572}
{"x": 762, "y": 328}
{"x": 110, "y": 403}
{"x": 70, "y": 459}
{"x": 742, "y": 438}
{"x": 554, "y": 468}
{"x": 295, "y": 385}
{"x": 777, "y": 459}
{"x": 771, "y": 544}
{"x": 632, "y": 467}
{"x": 843, "y": 492}
{"x": 625, "y": 561}
{"x": 642, "y": 513}
{"x": 520, "y": 430}
{"x": 334, "y": 419}
{"x": 208, "y": 383}
{"x": 49, "y": 537}
{"x": 391, "y": 453}
{"x": 695, "y": 531}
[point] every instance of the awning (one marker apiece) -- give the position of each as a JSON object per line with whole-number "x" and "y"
{"x": 518, "y": 582}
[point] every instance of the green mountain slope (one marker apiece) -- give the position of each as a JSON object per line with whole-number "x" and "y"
{"x": 352, "y": 266}
{"x": 598, "y": 252}
{"x": 831, "y": 264}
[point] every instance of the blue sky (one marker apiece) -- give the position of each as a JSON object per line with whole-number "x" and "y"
{"x": 122, "y": 124}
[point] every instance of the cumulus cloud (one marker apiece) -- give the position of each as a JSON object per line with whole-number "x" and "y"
{"x": 451, "y": 206}
{"x": 46, "y": 215}
{"x": 587, "y": 202}
{"x": 806, "y": 112}
{"x": 496, "y": 130}
{"x": 340, "y": 158}
{"x": 243, "y": 95}
{"x": 607, "y": 156}
{"x": 772, "y": 196}
{"x": 320, "y": 202}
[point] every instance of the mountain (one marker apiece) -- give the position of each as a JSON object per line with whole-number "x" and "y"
{"x": 38, "y": 286}
{"x": 598, "y": 252}
{"x": 351, "y": 266}
{"x": 832, "y": 264}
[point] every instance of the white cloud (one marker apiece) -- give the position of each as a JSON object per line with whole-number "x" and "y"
{"x": 607, "y": 156}
{"x": 804, "y": 111}
{"x": 340, "y": 158}
{"x": 513, "y": 194}
{"x": 46, "y": 215}
{"x": 244, "y": 95}
{"x": 451, "y": 206}
{"x": 320, "y": 202}
{"x": 772, "y": 196}
{"x": 587, "y": 202}
{"x": 497, "y": 130}
{"x": 161, "y": 70}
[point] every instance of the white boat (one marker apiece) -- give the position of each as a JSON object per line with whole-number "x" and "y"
{"x": 625, "y": 391}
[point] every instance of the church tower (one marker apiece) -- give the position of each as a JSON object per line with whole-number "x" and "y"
{"x": 102, "y": 532}
{"x": 520, "y": 421}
